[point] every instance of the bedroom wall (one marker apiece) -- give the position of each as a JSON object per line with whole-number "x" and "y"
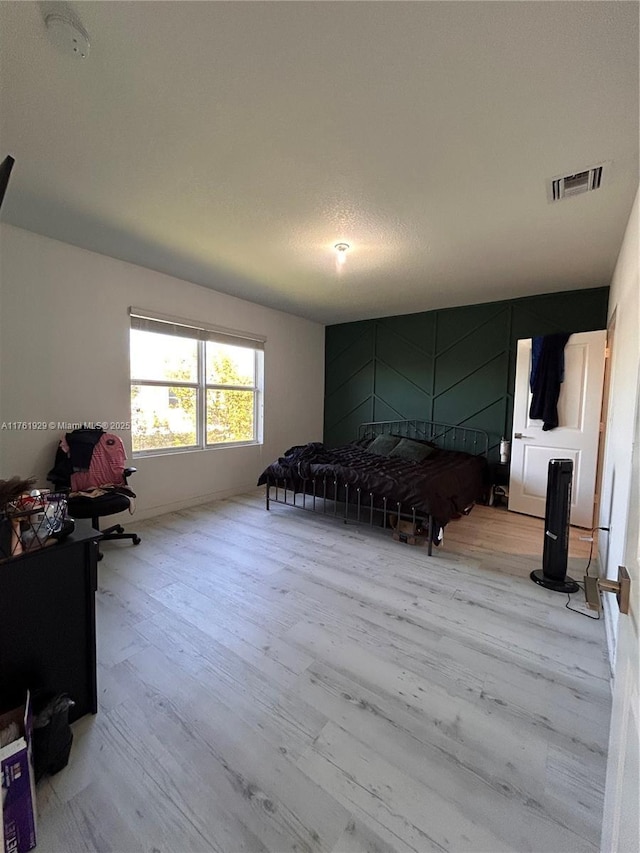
{"x": 617, "y": 502}
{"x": 65, "y": 357}
{"x": 455, "y": 365}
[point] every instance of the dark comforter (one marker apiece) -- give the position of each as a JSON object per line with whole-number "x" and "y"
{"x": 444, "y": 485}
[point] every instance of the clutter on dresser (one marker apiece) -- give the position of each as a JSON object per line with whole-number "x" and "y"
{"x": 30, "y": 518}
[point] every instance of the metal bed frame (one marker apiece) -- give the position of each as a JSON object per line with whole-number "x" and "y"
{"x": 358, "y": 508}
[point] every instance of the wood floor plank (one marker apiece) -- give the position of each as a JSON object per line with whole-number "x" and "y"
{"x": 359, "y": 838}
{"x": 394, "y": 804}
{"x": 120, "y": 638}
{"x": 494, "y": 786}
{"x": 244, "y": 636}
{"x": 278, "y": 681}
{"x": 241, "y": 765}
{"x": 511, "y": 764}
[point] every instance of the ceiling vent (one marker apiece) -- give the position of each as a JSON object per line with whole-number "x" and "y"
{"x": 584, "y": 181}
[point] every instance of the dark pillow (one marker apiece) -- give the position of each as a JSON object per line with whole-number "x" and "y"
{"x": 421, "y": 441}
{"x": 383, "y": 445}
{"x": 413, "y": 451}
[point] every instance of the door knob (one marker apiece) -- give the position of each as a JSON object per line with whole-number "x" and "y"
{"x": 520, "y": 435}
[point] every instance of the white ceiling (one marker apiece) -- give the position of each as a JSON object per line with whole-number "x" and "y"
{"x": 233, "y": 144}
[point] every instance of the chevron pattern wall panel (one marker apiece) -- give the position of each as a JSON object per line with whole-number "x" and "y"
{"x": 455, "y": 365}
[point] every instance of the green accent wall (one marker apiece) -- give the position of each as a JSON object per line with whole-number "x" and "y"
{"x": 455, "y": 365}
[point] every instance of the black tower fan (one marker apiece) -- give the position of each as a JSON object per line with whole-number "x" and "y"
{"x": 556, "y": 529}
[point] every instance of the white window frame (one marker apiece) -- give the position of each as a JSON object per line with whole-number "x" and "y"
{"x": 173, "y": 326}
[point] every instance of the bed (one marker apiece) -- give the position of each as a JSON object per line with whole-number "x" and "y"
{"x": 425, "y": 489}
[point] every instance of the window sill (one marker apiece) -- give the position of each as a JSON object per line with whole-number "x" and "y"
{"x": 174, "y": 451}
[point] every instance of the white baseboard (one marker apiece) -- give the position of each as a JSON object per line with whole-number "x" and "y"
{"x": 174, "y": 506}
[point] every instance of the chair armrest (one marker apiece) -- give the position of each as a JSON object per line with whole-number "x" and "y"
{"x": 128, "y": 472}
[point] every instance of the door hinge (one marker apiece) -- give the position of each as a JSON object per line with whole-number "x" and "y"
{"x": 601, "y": 427}
{"x": 607, "y": 352}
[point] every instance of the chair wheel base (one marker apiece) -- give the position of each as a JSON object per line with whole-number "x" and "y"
{"x": 136, "y": 540}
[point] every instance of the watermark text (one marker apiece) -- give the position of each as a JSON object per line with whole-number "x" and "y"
{"x": 67, "y": 426}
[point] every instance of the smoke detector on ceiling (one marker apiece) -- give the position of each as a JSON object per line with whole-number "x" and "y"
{"x": 67, "y": 34}
{"x": 583, "y": 181}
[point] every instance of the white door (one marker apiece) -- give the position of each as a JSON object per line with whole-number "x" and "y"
{"x": 575, "y": 438}
{"x": 621, "y": 820}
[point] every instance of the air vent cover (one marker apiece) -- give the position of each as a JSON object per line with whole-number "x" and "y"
{"x": 565, "y": 186}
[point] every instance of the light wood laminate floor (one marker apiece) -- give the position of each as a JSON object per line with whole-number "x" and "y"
{"x": 277, "y": 681}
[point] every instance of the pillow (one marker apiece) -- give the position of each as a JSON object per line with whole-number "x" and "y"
{"x": 383, "y": 445}
{"x": 411, "y": 450}
{"x": 421, "y": 441}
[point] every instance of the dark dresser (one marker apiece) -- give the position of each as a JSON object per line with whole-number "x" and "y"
{"x": 48, "y": 622}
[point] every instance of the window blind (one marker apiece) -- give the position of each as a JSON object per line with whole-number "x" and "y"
{"x": 164, "y": 324}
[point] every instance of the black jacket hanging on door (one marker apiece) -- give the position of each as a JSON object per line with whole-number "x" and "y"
{"x": 547, "y": 380}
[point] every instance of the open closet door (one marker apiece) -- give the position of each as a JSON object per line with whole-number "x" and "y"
{"x": 575, "y": 438}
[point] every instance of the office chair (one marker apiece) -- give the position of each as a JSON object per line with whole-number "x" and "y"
{"x": 89, "y": 459}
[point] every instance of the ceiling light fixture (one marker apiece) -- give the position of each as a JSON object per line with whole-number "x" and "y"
{"x": 67, "y": 34}
{"x": 342, "y": 249}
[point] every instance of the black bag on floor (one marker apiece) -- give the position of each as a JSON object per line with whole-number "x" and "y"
{"x": 52, "y": 735}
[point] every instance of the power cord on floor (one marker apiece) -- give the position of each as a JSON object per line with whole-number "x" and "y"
{"x": 580, "y": 612}
{"x": 568, "y": 604}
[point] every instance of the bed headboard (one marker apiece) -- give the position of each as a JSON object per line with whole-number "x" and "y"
{"x": 446, "y": 436}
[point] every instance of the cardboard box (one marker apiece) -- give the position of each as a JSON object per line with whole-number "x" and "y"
{"x": 407, "y": 527}
{"x": 17, "y": 784}
{"x": 408, "y": 532}
{"x": 410, "y": 538}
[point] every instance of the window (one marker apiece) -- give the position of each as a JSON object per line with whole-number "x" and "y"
{"x": 193, "y": 387}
